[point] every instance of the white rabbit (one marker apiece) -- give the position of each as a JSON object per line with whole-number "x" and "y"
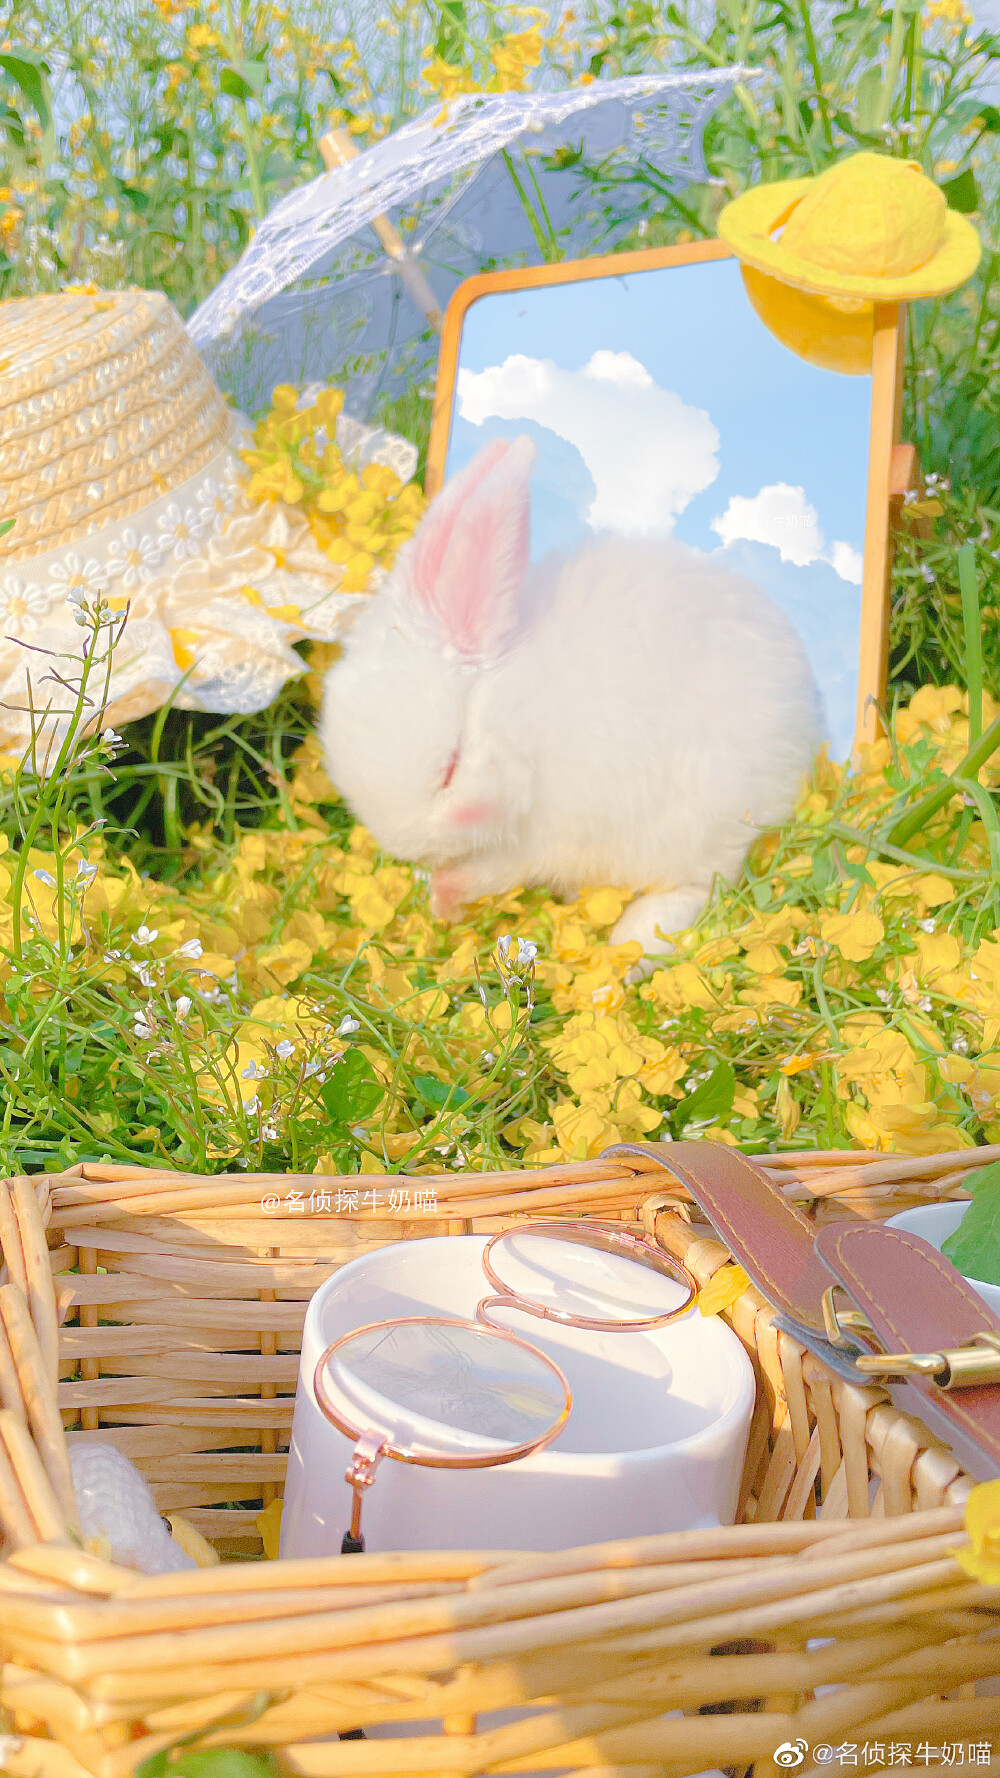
{"x": 633, "y": 714}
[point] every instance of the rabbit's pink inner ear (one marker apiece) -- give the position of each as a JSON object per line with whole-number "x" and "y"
{"x": 436, "y": 531}
{"x": 485, "y": 563}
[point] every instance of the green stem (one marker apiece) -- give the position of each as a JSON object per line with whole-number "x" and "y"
{"x": 252, "y": 161}
{"x": 822, "y": 1002}
{"x": 973, "y": 639}
{"x": 897, "y": 41}
{"x": 817, "y": 73}
{"x": 533, "y": 222}
{"x": 928, "y": 805}
{"x": 824, "y": 1074}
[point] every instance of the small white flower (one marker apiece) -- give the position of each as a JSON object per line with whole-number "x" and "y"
{"x": 86, "y": 872}
{"x": 503, "y": 945}
{"x": 211, "y": 996}
{"x": 312, "y": 1068}
{"x": 143, "y": 1025}
{"x": 146, "y": 935}
{"x": 284, "y": 1049}
{"x": 884, "y": 995}
{"x": 112, "y": 738}
{"x": 348, "y": 1026}
{"x": 179, "y": 533}
{"x": 488, "y": 1057}
{"x": 527, "y": 951}
{"x": 46, "y": 877}
{"x": 254, "y": 1071}
{"x": 960, "y": 1045}
{"x": 144, "y": 974}
{"x": 182, "y": 1006}
{"x": 269, "y": 1132}
{"x": 252, "y": 1106}
{"x": 191, "y": 948}
{"x": 927, "y": 925}
{"x": 924, "y": 1003}
{"x": 927, "y": 572}
{"x": 134, "y": 556}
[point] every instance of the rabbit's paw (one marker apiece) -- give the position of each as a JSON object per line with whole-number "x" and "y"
{"x": 448, "y": 892}
{"x": 650, "y": 917}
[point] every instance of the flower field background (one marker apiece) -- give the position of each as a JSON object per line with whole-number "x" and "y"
{"x": 204, "y": 961}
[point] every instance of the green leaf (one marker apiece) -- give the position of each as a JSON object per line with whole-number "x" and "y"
{"x": 868, "y": 99}
{"x": 962, "y": 192}
{"x": 975, "y": 1246}
{"x": 30, "y": 72}
{"x": 449, "y": 41}
{"x": 823, "y": 869}
{"x": 7, "y": 525}
{"x": 206, "y": 1762}
{"x": 437, "y": 1093}
{"x": 353, "y": 1090}
{"x": 712, "y": 1099}
{"x": 859, "y": 872}
{"x": 243, "y": 80}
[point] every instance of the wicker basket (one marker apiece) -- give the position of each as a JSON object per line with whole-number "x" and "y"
{"x": 182, "y": 1301}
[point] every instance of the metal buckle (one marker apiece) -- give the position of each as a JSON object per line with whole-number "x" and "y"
{"x": 836, "y": 1320}
{"x": 975, "y": 1362}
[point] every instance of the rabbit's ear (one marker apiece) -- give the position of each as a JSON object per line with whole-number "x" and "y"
{"x": 471, "y": 553}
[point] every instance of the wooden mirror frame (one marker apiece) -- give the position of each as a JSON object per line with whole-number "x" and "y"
{"x": 891, "y": 468}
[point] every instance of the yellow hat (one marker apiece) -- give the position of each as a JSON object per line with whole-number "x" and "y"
{"x": 833, "y": 332}
{"x": 872, "y": 227}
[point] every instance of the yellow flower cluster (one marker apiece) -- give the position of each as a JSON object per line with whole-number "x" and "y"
{"x": 954, "y": 14}
{"x": 504, "y": 66}
{"x": 360, "y": 519}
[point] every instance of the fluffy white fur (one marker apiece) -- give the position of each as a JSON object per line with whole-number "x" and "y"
{"x": 632, "y": 715}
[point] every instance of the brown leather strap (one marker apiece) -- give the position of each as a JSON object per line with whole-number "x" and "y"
{"x": 769, "y": 1237}
{"x": 914, "y": 1300}
{"x": 917, "y": 1302}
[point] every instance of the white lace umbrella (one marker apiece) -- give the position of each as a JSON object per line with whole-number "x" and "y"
{"x": 316, "y": 298}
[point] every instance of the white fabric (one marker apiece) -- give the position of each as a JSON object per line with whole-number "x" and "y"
{"x": 444, "y": 141}
{"x": 117, "y": 1511}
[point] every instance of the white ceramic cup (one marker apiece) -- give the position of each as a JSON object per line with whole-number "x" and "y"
{"x": 934, "y": 1223}
{"x": 655, "y": 1441}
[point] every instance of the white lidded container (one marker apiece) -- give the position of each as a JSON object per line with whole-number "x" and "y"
{"x": 655, "y": 1441}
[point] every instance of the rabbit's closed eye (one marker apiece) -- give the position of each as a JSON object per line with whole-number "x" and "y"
{"x": 450, "y": 770}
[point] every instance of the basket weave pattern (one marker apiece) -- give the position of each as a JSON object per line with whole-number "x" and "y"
{"x": 183, "y": 1302}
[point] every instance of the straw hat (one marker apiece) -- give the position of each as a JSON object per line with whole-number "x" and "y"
{"x": 119, "y": 470}
{"x": 818, "y": 253}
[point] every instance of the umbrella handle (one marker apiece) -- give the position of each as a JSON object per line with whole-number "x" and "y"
{"x": 337, "y": 147}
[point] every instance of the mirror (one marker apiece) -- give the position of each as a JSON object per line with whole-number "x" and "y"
{"x": 660, "y": 403}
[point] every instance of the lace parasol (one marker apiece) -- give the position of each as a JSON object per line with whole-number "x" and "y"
{"x": 488, "y": 180}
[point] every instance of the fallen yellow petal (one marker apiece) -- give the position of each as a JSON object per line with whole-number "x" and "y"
{"x": 723, "y": 1289}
